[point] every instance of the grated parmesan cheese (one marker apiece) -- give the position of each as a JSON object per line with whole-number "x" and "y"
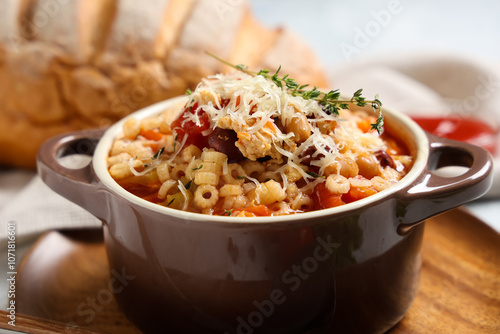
{"x": 253, "y": 101}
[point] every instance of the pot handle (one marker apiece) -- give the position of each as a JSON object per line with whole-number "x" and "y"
{"x": 79, "y": 185}
{"x": 432, "y": 194}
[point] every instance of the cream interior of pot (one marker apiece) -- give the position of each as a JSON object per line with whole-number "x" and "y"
{"x": 398, "y": 124}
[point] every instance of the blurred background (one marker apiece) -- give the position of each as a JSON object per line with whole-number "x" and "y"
{"x": 467, "y": 28}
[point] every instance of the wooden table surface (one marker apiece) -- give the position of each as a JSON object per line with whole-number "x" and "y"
{"x": 459, "y": 288}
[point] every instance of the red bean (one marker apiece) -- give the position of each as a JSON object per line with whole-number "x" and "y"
{"x": 223, "y": 140}
{"x": 385, "y": 159}
{"x": 306, "y": 155}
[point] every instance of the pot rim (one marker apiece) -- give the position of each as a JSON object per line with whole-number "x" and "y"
{"x": 417, "y": 135}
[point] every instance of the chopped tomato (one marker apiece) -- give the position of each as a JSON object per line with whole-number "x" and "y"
{"x": 218, "y": 208}
{"x": 357, "y": 193}
{"x": 324, "y": 199}
{"x": 151, "y": 135}
{"x": 184, "y": 126}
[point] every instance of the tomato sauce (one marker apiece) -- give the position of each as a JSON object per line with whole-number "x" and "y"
{"x": 469, "y": 130}
{"x": 183, "y": 126}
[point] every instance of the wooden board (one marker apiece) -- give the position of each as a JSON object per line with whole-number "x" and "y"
{"x": 459, "y": 287}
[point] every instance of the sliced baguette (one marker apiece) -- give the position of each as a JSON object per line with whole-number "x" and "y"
{"x": 139, "y": 86}
{"x": 295, "y": 58}
{"x": 14, "y": 23}
{"x": 135, "y": 32}
{"x": 29, "y": 85}
{"x": 88, "y": 92}
{"x": 253, "y": 41}
{"x": 209, "y": 27}
{"x": 212, "y": 28}
{"x": 75, "y": 64}
{"x": 173, "y": 21}
{"x": 76, "y": 26}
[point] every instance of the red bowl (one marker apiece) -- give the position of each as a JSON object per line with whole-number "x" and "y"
{"x": 470, "y": 130}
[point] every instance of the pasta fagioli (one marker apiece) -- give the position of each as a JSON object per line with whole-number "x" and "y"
{"x": 243, "y": 147}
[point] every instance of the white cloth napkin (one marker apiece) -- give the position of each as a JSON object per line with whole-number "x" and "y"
{"x": 430, "y": 84}
{"x": 36, "y": 208}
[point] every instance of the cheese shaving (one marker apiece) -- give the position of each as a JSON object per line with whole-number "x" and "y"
{"x": 179, "y": 150}
{"x": 183, "y": 190}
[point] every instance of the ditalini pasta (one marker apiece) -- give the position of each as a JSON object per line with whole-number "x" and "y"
{"x": 244, "y": 146}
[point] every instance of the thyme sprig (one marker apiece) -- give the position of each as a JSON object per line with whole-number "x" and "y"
{"x": 330, "y": 101}
{"x": 315, "y": 175}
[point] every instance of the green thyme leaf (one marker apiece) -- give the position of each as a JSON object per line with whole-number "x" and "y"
{"x": 269, "y": 180}
{"x": 227, "y": 212}
{"x": 198, "y": 168}
{"x": 313, "y": 174}
{"x": 379, "y": 124}
{"x": 175, "y": 140}
{"x": 188, "y": 185}
{"x": 157, "y": 154}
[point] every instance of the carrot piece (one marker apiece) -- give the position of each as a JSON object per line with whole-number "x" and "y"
{"x": 151, "y": 135}
{"x": 248, "y": 214}
{"x": 243, "y": 135}
{"x": 364, "y": 125}
{"x": 270, "y": 125}
{"x": 324, "y": 199}
{"x": 357, "y": 193}
{"x": 259, "y": 210}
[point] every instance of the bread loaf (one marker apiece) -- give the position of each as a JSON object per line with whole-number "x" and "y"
{"x": 75, "y": 64}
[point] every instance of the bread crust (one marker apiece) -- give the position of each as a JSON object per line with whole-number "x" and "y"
{"x": 78, "y": 64}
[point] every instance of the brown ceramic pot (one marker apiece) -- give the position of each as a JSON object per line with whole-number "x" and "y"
{"x": 350, "y": 269}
